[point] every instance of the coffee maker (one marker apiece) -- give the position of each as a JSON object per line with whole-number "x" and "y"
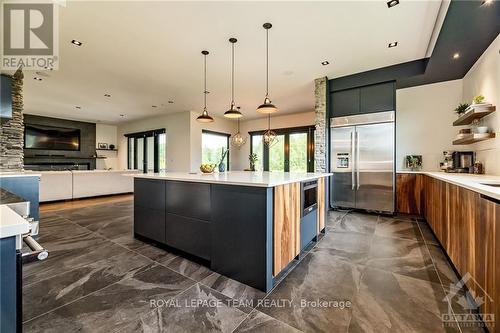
{"x": 463, "y": 161}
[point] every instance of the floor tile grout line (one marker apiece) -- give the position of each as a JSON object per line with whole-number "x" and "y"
{"x": 79, "y": 267}
{"x": 156, "y": 308}
{"x": 79, "y": 298}
{"x": 450, "y": 307}
{"x": 132, "y": 250}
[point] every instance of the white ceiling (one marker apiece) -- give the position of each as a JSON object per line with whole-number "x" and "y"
{"x": 147, "y": 53}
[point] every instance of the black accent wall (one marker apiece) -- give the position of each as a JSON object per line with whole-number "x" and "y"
{"x": 47, "y": 158}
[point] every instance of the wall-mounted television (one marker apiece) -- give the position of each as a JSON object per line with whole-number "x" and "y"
{"x": 51, "y": 138}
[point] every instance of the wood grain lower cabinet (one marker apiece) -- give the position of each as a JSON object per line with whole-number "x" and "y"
{"x": 409, "y": 193}
{"x": 467, "y": 226}
{"x": 286, "y": 231}
{"x": 321, "y": 204}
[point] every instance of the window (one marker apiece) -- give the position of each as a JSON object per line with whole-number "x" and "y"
{"x": 293, "y": 151}
{"x": 147, "y": 151}
{"x": 258, "y": 148}
{"x": 212, "y": 146}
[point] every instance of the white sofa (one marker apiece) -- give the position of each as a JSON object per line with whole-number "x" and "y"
{"x": 64, "y": 185}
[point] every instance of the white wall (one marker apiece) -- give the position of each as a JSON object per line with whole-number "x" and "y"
{"x": 177, "y": 128}
{"x": 240, "y": 157}
{"x": 424, "y": 120}
{"x": 484, "y": 79}
{"x": 107, "y": 134}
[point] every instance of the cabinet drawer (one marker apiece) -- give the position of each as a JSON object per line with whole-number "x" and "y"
{"x": 189, "y": 199}
{"x": 149, "y": 193}
{"x": 189, "y": 235}
{"x": 149, "y": 223}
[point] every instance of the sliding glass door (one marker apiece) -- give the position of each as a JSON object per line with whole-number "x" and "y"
{"x": 293, "y": 150}
{"x": 147, "y": 151}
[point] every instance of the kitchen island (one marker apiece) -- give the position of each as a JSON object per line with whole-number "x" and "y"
{"x": 248, "y": 226}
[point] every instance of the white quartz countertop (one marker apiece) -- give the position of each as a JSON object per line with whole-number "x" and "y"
{"x": 243, "y": 178}
{"x": 11, "y": 223}
{"x": 19, "y": 174}
{"x": 469, "y": 181}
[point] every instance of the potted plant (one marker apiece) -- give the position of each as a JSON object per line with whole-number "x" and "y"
{"x": 461, "y": 108}
{"x": 413, "y": 162}
{"x": 479, "y": 99}
{"x": 253, "y": 158}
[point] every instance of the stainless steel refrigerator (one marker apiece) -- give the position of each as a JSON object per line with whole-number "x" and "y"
{"x": 362, "y": 161}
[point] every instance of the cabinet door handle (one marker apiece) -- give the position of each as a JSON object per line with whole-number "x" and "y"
{"x": 352, "y": 160}
{"x": 357, "y": 159}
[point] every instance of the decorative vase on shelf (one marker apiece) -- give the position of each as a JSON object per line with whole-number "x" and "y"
{"x": 222, "y": 167}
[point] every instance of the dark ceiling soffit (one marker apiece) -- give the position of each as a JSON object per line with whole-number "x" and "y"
{"x": 469, "y": 28}
{"x": 379, "y": 75}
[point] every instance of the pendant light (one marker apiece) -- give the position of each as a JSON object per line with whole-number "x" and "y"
{"x": 205, "y": 117}
{"x": 237, "y": 140}
{"x": 232, "y": 112}
{"x": 267, "y": 106}
{"x": 269, "y": 137}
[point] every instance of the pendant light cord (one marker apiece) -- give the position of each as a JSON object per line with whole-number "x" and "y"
{"x": 267, "y": 62}
{"x": 232, "y": 75}
{"x": 205, "y": 83}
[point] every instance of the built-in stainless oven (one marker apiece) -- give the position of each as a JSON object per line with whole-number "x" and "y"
{"x": 309, "y": 197}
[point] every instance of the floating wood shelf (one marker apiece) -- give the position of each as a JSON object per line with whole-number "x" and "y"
{"x": 472, "y": 138}
{"x": 473, "y": 114}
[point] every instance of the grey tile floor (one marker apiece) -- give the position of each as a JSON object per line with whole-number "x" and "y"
{"x": 369, "y": 273}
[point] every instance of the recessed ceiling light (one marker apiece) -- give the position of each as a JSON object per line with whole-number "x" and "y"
{"x": 76, "y": 42}
{"x": 170, "y": 102}
{"x": 78, "y": 107}
{"x": 324, "y": 63}
{"x": 392, "y": 3}
{"x": 37, "y": 78}
{"x": 393, "y": 44}
{"x": 456, "y": 55}
{"x": 107, "y": 95}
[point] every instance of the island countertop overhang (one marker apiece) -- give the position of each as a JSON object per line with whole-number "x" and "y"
{"x": 240, "y": 178}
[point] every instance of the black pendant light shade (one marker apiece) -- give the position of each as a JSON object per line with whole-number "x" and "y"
{"x": 267, "y": 107}
{"x": 205, "y": 117}
{"x": 233, "y": 112}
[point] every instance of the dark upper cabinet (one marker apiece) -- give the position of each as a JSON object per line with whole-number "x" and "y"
{"x": 345, "y": 102}
{"x": 368, "y": 99}
{"x": 377, "y": 98}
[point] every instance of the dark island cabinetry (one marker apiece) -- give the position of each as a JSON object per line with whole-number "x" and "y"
{"x": 246, "y": 232}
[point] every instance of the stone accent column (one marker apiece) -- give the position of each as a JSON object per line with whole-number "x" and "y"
{"x": 12, "y": 130}
{"x": 320, "y": 147}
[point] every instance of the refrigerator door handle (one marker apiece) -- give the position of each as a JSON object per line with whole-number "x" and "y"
{"x": 352, "y": 160}
{"x": 357, "y": 160}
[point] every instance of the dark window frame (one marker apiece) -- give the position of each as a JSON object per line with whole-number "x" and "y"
{"x": 227, "y": 135}
{"x": 286, "y": 132}
{"x": 144, "y": 135}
